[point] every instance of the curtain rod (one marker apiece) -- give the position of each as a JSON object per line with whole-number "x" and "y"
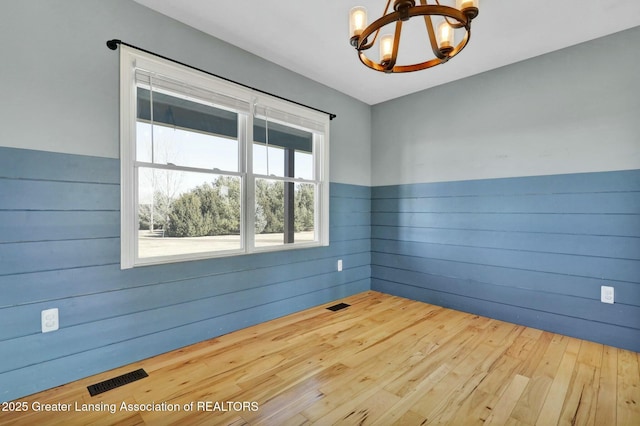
{"x": 113, "y": 45}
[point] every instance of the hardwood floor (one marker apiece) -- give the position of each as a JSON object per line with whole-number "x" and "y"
{"x": 382, "y": 361}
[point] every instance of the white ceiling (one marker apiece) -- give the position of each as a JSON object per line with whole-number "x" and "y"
{"x": 311, "y": 38}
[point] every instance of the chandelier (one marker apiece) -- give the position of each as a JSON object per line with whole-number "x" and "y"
{"x": 441, "y": 40}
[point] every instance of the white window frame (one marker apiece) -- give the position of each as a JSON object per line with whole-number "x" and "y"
{"x": 288, "y": 113}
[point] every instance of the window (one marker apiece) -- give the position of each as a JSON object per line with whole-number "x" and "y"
{"x": 210, "y": 168}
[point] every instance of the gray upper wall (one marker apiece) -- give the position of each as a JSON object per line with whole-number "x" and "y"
{"x": 570, "y": 111}
{"x": 60, "y": 82}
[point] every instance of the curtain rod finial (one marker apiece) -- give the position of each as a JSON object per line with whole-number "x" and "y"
{"x": 113, "y": 44}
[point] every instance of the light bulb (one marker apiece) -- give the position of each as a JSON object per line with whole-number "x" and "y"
{"x": 386, "y": 47}
{"x": 357, "y": 21}
{"x": 445, "y": 36}
{"x": 466, "y": 4}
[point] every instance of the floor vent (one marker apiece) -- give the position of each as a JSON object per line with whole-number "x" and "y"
{"x": 116, "y": 382}
{"x": 338, "y": 307}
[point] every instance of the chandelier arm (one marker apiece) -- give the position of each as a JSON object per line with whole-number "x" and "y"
{"x": 369, "y": 63}
{"x": 368, "y": 45}
{"x": 455, "y": 25}
{"x": 417, "y": 67}
{"x": 386, "y": 8}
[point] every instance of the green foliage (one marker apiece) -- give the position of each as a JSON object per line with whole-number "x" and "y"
{"x": 207, "y": 210}
{"x": 304, "y": 212}
{"x": 270, "y": 207}
{"x": 214, "y": 209}
{"x": 186, "y": 219}
{"x": 270, "y": 200}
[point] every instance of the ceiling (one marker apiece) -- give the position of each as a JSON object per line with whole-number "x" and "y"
{"x": 311, "y": 38}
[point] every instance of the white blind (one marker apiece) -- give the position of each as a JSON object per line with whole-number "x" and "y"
{"x": 272, "y": 114}
{"x": 181, "y": 89}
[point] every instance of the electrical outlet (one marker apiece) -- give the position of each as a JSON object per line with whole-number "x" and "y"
{"x": 606, "y": 294}
{"x": 339, "y": 265}
{"x": 49, "y": 319}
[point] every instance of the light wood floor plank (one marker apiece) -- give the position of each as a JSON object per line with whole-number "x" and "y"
{"x": 530, "y": 404}
{"x": 554, "y": 402}
{"x": 508, "y": 401}
{"x": 403, "y": 405}
{"x": 465, "y": 374}
{"x": 579, "y": 406}
{"x": 383, "y": 361}
{"x": 607, "y": 397}
{"x": 628, "y": 403}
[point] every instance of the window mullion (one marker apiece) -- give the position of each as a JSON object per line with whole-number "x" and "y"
{"x": 249, "y": 193}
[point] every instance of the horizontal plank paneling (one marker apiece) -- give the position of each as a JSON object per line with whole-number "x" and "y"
{"x": 593, "y": 310}
{"x": 60, "y": 247}
{"x": 583, "y": 203}
{"x": 546, "y": 282}
{"x": 350, "y": 219}
{"x": 232, "y": 272}
{"x": 586, "y": 245}
{"x": 594, "y": 267}
{"x": 27, "y": 226}
{"x": 626, "y": 180}
{"x": 80, "y": 309}
{"x": 354, "y": 205}
{"x": 583, "y": 224}
{"x": 526, "y": 250}
{"x": 18, "y": 194}
{"x": 344, "y": 233}
{"x": 20, "y": 258}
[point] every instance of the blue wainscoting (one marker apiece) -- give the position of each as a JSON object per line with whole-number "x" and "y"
{"x": 532, "y": 250}
{"x": 60, "y": 248}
